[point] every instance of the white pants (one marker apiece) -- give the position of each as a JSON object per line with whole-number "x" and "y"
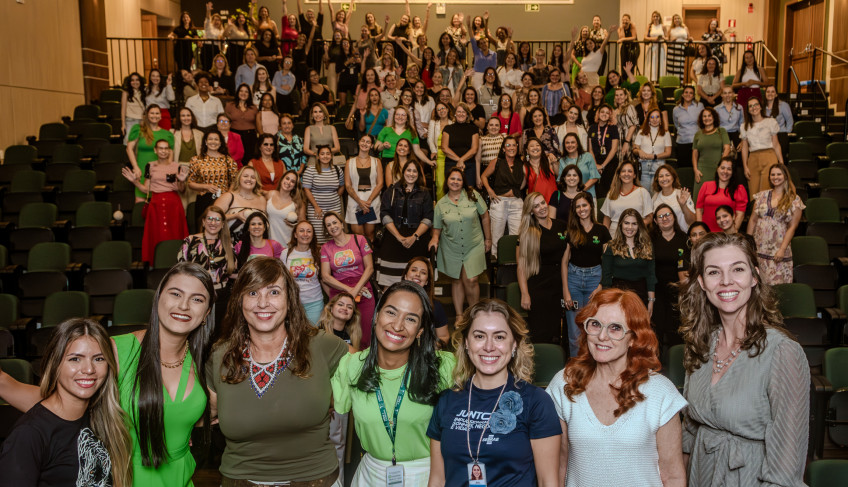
{"x": 372, "y": 472}
{"x": 506, "y": 211}
{"x": 338, "y": 437}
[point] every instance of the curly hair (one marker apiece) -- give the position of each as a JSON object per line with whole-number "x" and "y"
{"x": 699, "y": 318}
{"x": 521, "y": 364}
{"x": 642, "y": 357}
{"x": 257, "y": 273}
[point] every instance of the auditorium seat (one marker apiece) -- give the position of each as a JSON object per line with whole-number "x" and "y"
{"x": 35, "y": 226}
{"x": 46, "y": 266}
{"x": 549, "y": 359}
{"x": 58, "y": 307}
{"x": 109, "y": 275}
{"x": 822, "y": 210}
{"x": 50, "y": 135}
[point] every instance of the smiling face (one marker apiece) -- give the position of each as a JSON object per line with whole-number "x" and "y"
{"x": 776, "y": 177}
{"x": 334, "y": 226}
{"x": 602, "y": 347}
{"x": 398, "y": 322}
{"x": 771, "y": 93}
{"x": 250, "y": 56}
{"x": 664, "y": 219}
{"x": 570, "y": 144}
{"x": 82, "y": 370}
{"x": 154, "y": 116}
{"x": 183, "y": 304}
{"x": 400, "y": 117}
{"x": 727, "y": 280}
{"x": 538, "y": 118}
{"x": 317, "y": 114}
{"x": 696, "y": 233}
{"x": 539, "y": 208}
{"x": 418, "y": 273}
{"x": 533, "y": 98}
{"x": 155, "y": 77}
{"x": 212, "y": 223}
{"x": 247, "y": 180}
{"x": 534, "y": 149}
{"x": 493, "y": 126}
{"x": 185, "y": 117}
{"x": 490, "y": 344}
{"x": 325, "y": 155}
{"x": 213, "y": 142}
{"x": 461, "y": 115}
{"x": 646, "y": 93}
{"x": 626, "y": 173}
{"x": 707, "y": 119}
{"x": 629, "y": 227}
{"x": 343, "y": 309}
{"x": 724, "y": 219}
{"x": 265, "y": 309}
{"x": 288, "y": 182}
{"x": 573, "y": 114}
{"x": 725, "y": 171}
{"x": 286, "y": 125}
{"x": 727, "y": 94}
{"x": 582, "y": 208}
{"x": 455, "y": 181}
{"x": 655, "y": 118}
{"x": 572, "y": 179}
{"x": 303, "y": 233}
{"x": 410, "y": 174}
{"x": 256, "y": 227}
{"x": 664, "y": 178}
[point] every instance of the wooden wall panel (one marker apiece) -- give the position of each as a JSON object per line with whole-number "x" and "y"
{"x": 40, "y": 73}
{"x": 839, "y": 46}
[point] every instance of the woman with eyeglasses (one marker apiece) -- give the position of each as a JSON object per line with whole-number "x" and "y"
{"x": 164, "y": 217}
{"x": 629, "y": 261}
{"x": 235, "y": 146}
{"x": 269, "y": 168}
{"x": 747, "y": 379}
{"x": 671, "y": 254}
{"x": 602, "y": 392}
{"x": 493, "y": 421}
{"x": 667, "y": 190}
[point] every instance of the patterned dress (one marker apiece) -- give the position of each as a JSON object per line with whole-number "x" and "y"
{"x": 772, "y": 224}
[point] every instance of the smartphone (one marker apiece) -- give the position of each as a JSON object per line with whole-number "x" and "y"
{"x": 574, "y": 305}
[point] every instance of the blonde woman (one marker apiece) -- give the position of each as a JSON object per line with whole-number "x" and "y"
{"x": 678, "y": 37}
{"x": 286, "y": 199}
{"x": 76, "y": 434}
{"x": 657, "y": 35}
{"x": 244, "y": 197}
{"x": 628, "y": 261}
{"x": 541, "y": 268}
{"x": 523, "y": 421}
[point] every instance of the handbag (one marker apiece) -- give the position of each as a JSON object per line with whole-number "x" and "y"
{"x": 375, "y": 288}
{"x": 365, "y": 217}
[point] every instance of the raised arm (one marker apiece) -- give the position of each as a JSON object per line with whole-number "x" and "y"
{"x": 21, "y": 396}
{"x": 606, "y": 38}
{"x": 299, "y": 8}
{"x": 426, "y": 18}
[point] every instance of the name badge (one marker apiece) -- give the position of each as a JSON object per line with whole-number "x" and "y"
{"x": 477, "y": 475}
{"x": 394, "y": 476}
{"x": 603, "y": 150}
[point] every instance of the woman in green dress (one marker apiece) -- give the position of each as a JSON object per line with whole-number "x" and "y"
{"x": 460, "y": 223}
{"x": 161, "y": 388}
{"x": 710, "y": 144}
{"x": 141, "y": 144}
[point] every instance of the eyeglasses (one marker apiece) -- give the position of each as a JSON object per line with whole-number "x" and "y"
{"x": 224, "y": 122}
{"x": 213, "y": 219}
{"x": 615, "y": 331}
{"x": 664, "y": 216}
{"x": 268, "y": 144}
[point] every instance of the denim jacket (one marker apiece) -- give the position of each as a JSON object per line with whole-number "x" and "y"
{"x": 419, "y": 206}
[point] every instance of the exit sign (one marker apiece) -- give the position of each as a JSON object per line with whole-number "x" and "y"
{"x": 531, "y": 7}
{"x": 346, "y": 7}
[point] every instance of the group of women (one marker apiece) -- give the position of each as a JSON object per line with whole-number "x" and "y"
{"x": 120, "y": 411}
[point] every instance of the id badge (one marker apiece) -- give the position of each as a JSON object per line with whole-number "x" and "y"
{"x": 603, "y": 150}
{"x": 477, "y": 475}
{"x": 394, "y": 476}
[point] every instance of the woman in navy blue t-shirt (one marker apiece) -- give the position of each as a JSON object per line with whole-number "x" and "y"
{"x": 493, "y": 427}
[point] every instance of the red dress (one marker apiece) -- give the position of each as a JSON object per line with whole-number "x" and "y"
{"x": 165, "y": 218}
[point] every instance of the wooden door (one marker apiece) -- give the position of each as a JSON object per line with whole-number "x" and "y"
{"x": 150, "y": 48}
{"x": 804, "y": 30}
{"x": 697, "y": 20}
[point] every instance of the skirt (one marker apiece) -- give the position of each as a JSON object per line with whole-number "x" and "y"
{"x": 393, "y": 256}
{"x": 372, "y": 472}
{"x": 166, "y": 220}
{"x": 352, "y": 207}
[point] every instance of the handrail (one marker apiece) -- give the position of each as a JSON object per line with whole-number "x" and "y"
{"x": 831, "y": 54}
{"x": 765, "y": 47}
{"x": 776, "y": 63}
{"x": 791, "y": 71}
{"x": 826, "y": 107}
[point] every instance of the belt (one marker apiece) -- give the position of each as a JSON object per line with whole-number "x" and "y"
{"x": 363, "y": 188}
{"x": 326, "y": 481}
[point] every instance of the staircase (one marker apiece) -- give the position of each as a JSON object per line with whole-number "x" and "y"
{"x": 812, "y": 106}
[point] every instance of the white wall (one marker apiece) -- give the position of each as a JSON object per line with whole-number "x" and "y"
{"x": 40, "y": 73}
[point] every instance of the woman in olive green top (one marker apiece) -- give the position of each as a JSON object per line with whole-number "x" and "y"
{"x": 270, "y": 379}
{"x": 400, "y": 376}
{"x": 710, "y": 144}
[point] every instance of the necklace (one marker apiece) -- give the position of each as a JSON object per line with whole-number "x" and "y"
{"x": 263, "y": 376}
{"x": 718, "y": 365}
{"x": 248, "y": 198}
{"x": 476, "y": 458}
{"x": 174, "y": 365}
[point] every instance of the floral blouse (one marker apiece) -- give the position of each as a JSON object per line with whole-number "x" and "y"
{"x": 291, "y": 153}
{"x": 213, "y": 259}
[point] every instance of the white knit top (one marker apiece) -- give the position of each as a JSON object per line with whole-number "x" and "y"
{"x": 628, "y": 447}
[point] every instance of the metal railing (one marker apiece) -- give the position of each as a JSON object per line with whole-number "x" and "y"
{"x": 816, "y": 82}
{"x": 794, "y": 76}
{"x": 141, "y": 54}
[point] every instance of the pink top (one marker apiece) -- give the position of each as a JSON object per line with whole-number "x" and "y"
{"x": 272, "y": 248}
{"x": 346, "y": 262}
{"x": 710, "y": 202}
{"x": 270, "y": 122}
{"x": 158, "y": 176}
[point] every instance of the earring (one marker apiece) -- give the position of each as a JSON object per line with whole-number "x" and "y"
{"x": 419, "y": 340}
{"x": 513, "y": 352}
{"x": 203, "y": 323}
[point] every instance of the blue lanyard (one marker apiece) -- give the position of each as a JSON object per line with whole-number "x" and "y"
{"x": 391, "y": 427}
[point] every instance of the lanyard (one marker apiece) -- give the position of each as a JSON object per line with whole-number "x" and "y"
{"x": 485, "y": 427}
{"x": 391, "y": 427}
{"x": 602, "y": 138}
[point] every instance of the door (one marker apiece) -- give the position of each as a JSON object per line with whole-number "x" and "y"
{"x": 697, "y": 20}
{"x": 804, "y": 30}
{"x": 149, "y": 47}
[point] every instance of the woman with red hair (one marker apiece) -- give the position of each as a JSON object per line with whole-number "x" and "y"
{"x": 613, "y": 403}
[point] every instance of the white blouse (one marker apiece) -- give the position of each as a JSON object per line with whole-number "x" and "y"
{"x": 759, "y": 135}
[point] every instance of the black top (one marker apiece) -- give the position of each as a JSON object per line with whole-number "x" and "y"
{"x": 364, "y": 174}
{"x": 46, "y": 450}
{"x": 640, "y": 112}
{"x": 671, "y": 257}
{"x": 478, "y": 112}
{"x": 558, "y": 119}
{"x": 591, "y": 252}
{"x": 306, "y": 27}
{"x": 226, "y": 82}
{"x": 562, "y": 204}
{"x": 552, "y": 244}
{"x": 602, "y": 137}
{"x": 508, "y": 179}
{"x": 343, "y": 335}
{"x": 440, "y": 317}
{"x": 459, "y": 137}
{"x": 266, "y": 51}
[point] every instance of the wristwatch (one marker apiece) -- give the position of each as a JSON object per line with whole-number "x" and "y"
{"x": 416, "y": 236}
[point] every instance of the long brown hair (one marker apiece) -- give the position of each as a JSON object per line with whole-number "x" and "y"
{"x": 223, "y": 236}
{"x": 615, "y": 187}
{"x": 641, "y": 355}
{"x": 576, "y": 234}
{"x": 257, "y": 273}
{"x": 642, "y": 241}
{"x": 108, "y": 420}
{"x": 530, "y": 233}
{"x": 144, "y": 126}
{"x": 352, "y": 326}
{"x": 789, "y": 193}
{"x": 699, "y": 318}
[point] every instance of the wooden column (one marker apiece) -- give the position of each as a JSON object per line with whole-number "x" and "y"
{"x": 95, "y": 57}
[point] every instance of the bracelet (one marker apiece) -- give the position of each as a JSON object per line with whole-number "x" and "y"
{"x": 651, "y": 300}
{"x": 416, "y": 236}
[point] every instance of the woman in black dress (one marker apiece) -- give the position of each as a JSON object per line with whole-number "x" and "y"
{"x": 181, "y": 36}
{"x": 541, "y": 269}
{"x": 671, "y": 258}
